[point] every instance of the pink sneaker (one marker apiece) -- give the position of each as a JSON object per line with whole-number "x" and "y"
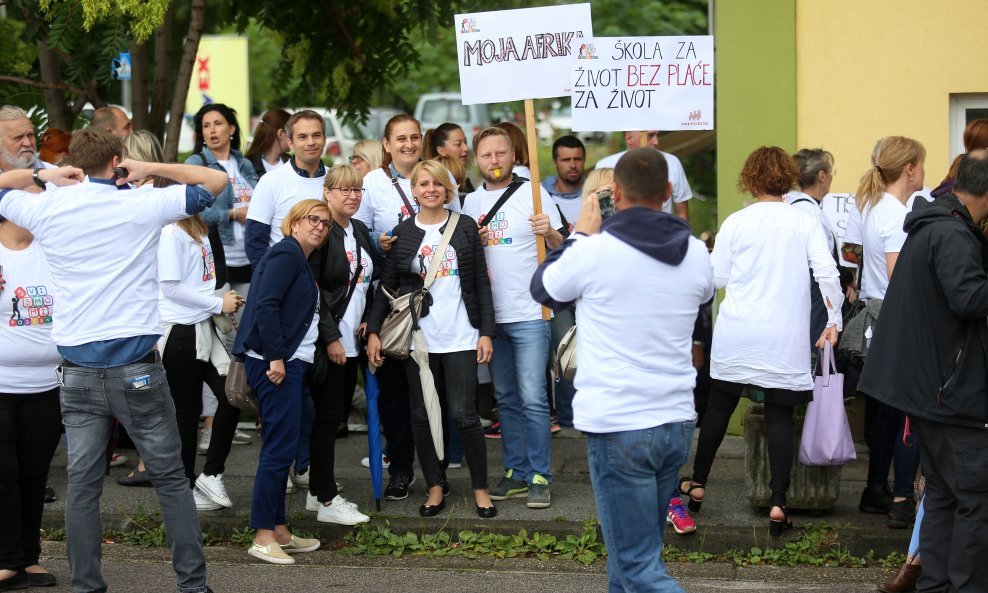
{"x": 679, "y": 517}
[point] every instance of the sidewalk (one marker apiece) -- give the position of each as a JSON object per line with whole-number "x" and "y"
{"x": 726, "y": 522}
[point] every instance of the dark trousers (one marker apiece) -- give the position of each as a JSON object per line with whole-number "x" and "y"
{"x": 30, "y": 426}
{"x": 185, "y": 377}
{"x": 952, "y": 540}
{"x": 724, "y": 399}
{"x": 395, "y": 409}
{"x": 888, "y": 444}
{"x": 328, "y": 400}
{"x": 455, "y": 378}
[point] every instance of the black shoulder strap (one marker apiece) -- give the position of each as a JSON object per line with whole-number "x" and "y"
{"x": 810, "y": 200}
{"x": 353, "y": 285}
{"x": 394, "y": 182}
{"x": 512, "y": 188}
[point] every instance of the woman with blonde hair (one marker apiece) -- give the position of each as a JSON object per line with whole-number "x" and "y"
{"x": 277, "y": 341}
{"x": 366, "y": 156}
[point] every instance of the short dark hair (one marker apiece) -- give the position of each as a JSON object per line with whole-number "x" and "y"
{"x": 972, "y": 173}
{"x": 92, "y": 149}
{"x": 643, "y": 175}
{"x": 567, "y": 141}
{"x": 228, "y": 113}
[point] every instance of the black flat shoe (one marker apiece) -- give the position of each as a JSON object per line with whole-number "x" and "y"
{"x": 777, "y": 527}
{"x": 692, "y": 502}
{"x": 487, "y": 512}
{"x": 15, "y": 583}
{"x": 445, "y": 486}
{"x": 432, "y": 511}
{"x": 49, "y": 494}
{"x": 41, "y": 579}
{"x": 138, "y": 478}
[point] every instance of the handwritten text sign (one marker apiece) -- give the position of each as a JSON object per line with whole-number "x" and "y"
{"x": 509, "y": 55}
{"x": 643, "y": 83}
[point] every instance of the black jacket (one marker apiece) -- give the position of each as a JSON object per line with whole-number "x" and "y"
{"x": 331, "y": 268}
{"x": 929, "y": 353}
{"x": 475, "y": 284}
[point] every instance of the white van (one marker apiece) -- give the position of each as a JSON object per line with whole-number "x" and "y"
{"x": 434, "y": 109}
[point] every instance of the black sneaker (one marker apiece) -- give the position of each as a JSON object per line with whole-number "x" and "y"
{"x": 876, "y": 500}
{"x": 398, "y": 487}
{"x": 902, "y": 514}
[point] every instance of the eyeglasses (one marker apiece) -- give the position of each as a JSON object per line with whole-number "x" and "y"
{"x": 355, "y": 157}
{"x": 346, "y": 191}
{"x": 316, "y": 221}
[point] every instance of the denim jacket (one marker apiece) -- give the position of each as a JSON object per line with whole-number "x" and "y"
{"x": 219, "y": 214}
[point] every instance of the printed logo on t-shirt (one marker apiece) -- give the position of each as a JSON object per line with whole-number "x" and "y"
{"x": 403, "y": 213}
{"x": 31, "y": 306}
{"x": 208, "y": 264}
{"x": 364, "y": 264}
{"x": 448, "y": 267}
{"x": 497, "y": 229}
{"x": 241, "y": 191}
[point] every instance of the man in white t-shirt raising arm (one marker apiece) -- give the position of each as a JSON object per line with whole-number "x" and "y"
{"x": 282, "y": 188}
{"x": 102, "y": 244}
{"x": 634, "y": 380}
{"x": 681, "y": 192}
{"x": 521, "y": 345}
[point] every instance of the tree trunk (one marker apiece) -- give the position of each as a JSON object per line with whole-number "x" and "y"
{"x": 59, "y": 115}
{"x": 189, "y": 49}
{"x": 139, "y": 85}
{"x": 163, "y": 86}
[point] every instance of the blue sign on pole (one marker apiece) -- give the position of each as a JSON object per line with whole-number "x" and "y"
{"x": 121, "y": 66}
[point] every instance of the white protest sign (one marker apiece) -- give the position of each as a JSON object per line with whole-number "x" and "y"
{"x": 510, "y": 55}
{"x": 643, "y": 83}
{"x": 838, "y": 208}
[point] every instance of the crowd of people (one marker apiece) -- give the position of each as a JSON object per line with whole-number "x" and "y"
{"x": 271, "y": 257}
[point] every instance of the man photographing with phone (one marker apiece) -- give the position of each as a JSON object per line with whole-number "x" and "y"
{"x": 634, "y": 384}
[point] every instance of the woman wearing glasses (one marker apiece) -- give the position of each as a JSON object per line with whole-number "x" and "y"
{"x": 366, "y": 156}
{"x": 343, "y": 268}
{"x": 277, "y": 341}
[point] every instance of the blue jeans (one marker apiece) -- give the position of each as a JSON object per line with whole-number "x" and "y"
{"x": 632, "y": 474}
{"x": 280, "y": 407}
{"x": 521, "y": 353}
{"x": 563, "y": 390}
{"x": 137, "y": 395}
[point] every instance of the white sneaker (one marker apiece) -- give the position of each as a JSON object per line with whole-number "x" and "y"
{"x": 385, "y": 461}
{"x": 341, "y": 512}
{"x": 117, "y": 460}
{"x": 301, "y": 479}
{"x": 213, "y": 487}
{"x": 203, "y": 502}
{"x": 455, "y": 464}
{"x": 312, "y": 503}
{"x": 204, "y": 438}
{"x": 290, "y": 487}
{"x": 242, "y": 438}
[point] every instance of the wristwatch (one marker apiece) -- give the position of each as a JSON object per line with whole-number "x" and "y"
{"x": 37, "y": 179}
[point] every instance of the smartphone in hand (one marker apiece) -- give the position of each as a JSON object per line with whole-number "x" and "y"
{"x": 606, "y": 203}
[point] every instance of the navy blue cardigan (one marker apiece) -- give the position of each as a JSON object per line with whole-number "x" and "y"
{"x": 281, "y": 303}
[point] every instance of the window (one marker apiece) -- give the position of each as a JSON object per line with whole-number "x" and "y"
{"x": 964, "y": 108}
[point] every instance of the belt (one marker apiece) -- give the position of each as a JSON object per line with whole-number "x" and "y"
{"x": 149, "y": 358}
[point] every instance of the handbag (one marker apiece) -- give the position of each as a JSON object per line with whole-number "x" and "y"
{"x": 238, "y": 391}
{"x": 396, "y": 329}
{"x": 566, "y": 355}
{"x": 826, "y": 434}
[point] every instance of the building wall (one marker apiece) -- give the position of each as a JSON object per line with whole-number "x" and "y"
{"x": 868, "y": 69}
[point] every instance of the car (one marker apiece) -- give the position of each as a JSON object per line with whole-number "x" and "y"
{"x": 434, "y": 109}
{"x": 561, "y": 120}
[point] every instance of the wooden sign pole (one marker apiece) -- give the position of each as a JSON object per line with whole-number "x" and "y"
{"x": 643, "y": 139}
{"x": 533, "y": 164}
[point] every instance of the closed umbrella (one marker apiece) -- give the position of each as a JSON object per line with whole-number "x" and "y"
{"x": 421, "y": 356}
{"x": 372, "y": 392}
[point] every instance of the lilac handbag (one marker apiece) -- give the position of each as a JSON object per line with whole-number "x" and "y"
{"x": 826, "y": 433}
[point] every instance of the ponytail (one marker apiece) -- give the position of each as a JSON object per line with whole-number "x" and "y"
{"x": 888, "y": 160}
{"x": 429, "y": 144}
{"x": 870, "y": 190}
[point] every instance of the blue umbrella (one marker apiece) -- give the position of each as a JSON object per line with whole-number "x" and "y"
{"x": 372, "y": 392}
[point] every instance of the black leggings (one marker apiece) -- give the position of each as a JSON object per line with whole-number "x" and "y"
{"x": 328, "y": 400}
{"x": 185, "y": 377}
{"x": 455, "y": 378}
{"x": 30, "y": 426}
{"x": 724, "y": 399}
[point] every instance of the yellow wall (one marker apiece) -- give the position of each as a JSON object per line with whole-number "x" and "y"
{"x": 873, "y": 68}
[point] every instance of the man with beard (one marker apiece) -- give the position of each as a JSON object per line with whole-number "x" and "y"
{"x": 18, "y": 146}
{"x": 508, "y": 227}
{"x": 566, "y": 187}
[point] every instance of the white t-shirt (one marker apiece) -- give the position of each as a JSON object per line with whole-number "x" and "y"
{"x": 105, "y": 243}
{"x": 852, "y": 234}
{"x": 235, "y": 255}
{"x": 635, "y": 369}
{"x": 306, "y": 350}
{"x": 268, "y": 167}
{"x": 447, "y": 326}
{"x": 182, "y": 259}
{"x": 762, "y": 256}
{"x": 522, "y": 171}
{"x": 275, "y": 195}
{"x": 806, "y": 203}
{"x": 681, "y": 191}
{"x": 382, "y": 208}
{"x": 27, "y": 306}
{"x": 510, "y": 250}
{"x": 355, "y": 308}
{"x": 882, "y": 233}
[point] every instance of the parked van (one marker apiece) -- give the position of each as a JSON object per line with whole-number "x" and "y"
{"x": 434, "y": 109}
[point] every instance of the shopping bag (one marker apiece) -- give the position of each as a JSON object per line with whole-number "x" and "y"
{"x": 826, "y": 433}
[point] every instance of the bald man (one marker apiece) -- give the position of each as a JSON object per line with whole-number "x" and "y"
{"x": 113, "y": 120}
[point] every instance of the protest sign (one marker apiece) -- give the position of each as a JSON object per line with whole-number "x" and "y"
{"x": 643, "y": 83}
{"x": 511, "y": 55}
{"x": 838, "y": 208}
